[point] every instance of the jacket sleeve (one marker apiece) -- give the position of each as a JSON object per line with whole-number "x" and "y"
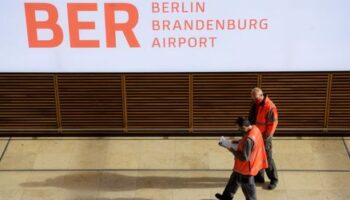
{"x": 244, "y": 155}
{"x": 272, "y": 121}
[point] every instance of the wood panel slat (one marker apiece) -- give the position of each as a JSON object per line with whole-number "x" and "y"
{"x": 27, "y": 102}
{"x": 339, "y": 113}
{"x": 218, "y": 99}
{"x": 157, "y": 101}
{"x": 300, "y": 98}
{"x": 90, "y": 102}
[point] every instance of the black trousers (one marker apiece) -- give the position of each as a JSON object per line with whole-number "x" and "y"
{"x": 271, "y": 171}
{"x": 246, "y": 182}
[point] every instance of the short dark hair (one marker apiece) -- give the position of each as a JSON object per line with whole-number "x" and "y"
{"x": 241, "y": 121}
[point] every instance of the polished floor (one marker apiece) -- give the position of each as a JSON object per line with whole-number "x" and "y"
{"x": 163, "y": 168}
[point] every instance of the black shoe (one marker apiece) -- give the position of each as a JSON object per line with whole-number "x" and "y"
{"x": 272, "y": 185}
{"x": 220, "y": 196}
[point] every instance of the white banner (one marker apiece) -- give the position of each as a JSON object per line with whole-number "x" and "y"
{"x": 174, "y": 36}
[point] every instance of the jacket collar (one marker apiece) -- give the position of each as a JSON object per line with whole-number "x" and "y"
{"x": 264, "y": 100}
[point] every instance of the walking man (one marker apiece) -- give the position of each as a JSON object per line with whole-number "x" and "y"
{"x": 250, "y": 158}
{"x": 263, "y": 114}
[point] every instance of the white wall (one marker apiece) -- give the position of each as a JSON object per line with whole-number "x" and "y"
{"x": 303, "y": 35}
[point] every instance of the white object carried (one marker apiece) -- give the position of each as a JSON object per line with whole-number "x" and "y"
{"x": 224, "y": 142}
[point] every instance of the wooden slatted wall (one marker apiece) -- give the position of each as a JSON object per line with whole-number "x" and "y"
{"x": 301, "y": 98}
{"x": 157, "y": 102}
{"x": 339, "y": 113}
{"x": 27, "y": 102}
{"x": 171, "y": 103}
{"x": 90, "y": 103}
{"x": 218, "y": 99}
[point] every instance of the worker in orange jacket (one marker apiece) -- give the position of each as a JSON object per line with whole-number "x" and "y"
{"x": 250, "y": 158}
{"x": 263, "y": 114}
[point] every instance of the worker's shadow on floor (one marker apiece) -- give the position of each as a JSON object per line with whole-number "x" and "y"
{"x": 111, "y": 199}
{"x": 119, "y": 182}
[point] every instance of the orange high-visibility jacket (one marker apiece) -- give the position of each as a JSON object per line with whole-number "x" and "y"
{"x": 258, "y": 159}
{"x": 265, "y": 117}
